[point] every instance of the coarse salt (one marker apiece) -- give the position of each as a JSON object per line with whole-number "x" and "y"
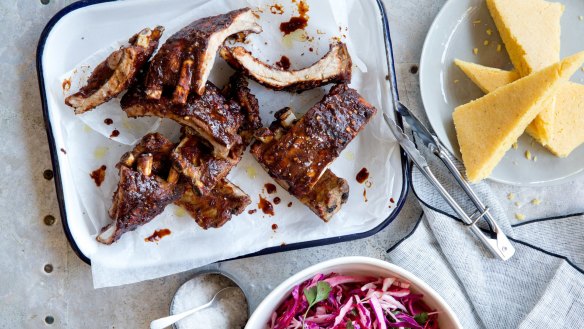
{"x": 229, "y": 312}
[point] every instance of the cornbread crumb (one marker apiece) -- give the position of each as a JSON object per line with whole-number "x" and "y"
{"x": 499, "y": 47}
{"x": 511, "y": 196}
{"x": 535, "y": 201}
{"x": 489, "y": 32}
{"x": 475, "y": 51}
{"x": 515, "y": 146}
{"x": 456, "y": 81}
{"x": 486, "y": 42}
{"x": 517, "y": 204}
{"x": 519, "y": 216}
{"x": 535, "y": 158}
{"x": 478, "y": 21}
{"x": 528, "y": 155}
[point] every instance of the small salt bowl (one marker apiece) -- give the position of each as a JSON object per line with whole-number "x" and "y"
{"x": 231, "y": 311}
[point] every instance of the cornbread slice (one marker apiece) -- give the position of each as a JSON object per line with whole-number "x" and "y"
{"x": 487, "y": 127}
{"x": 531, "y": 32}
{"x": 486, "y": 78}
{"x": 568, "y": 130}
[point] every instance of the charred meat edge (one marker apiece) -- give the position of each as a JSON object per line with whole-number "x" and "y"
{"x": 185, "y": 60}
{"x": 334, "y": 67}
{"x": 195, "y": 161}
{"x": 112, "y": 76}
{"x": 218, "y": 207}
{"x": 211, "y": 115}
{"x": 238, "y": 91}
{"x": 329, "y": 193}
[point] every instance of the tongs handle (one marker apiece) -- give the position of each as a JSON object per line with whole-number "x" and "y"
{"x": 500, "y": 245}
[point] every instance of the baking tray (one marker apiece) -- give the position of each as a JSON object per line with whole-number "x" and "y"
{"x": 66, "y": 203}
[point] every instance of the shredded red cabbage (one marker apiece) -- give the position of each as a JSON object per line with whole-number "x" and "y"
{"x": 353, "y": 302}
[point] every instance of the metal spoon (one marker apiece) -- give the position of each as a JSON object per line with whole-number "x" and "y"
{"x": 169, "y": 320}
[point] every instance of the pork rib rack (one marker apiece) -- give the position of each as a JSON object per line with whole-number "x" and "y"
{"x": 116, "y": 72}
{"x": 211, "y": 115}
{"x": 216, "y": 208}
{"x": 147, "y": 185}
{"x": 299, "y": 158}
{"x": 334, "y": 67}
{"x": 193, "y": 158}
{"x": 328, "y": 194}
{"x": 185, "y": 60}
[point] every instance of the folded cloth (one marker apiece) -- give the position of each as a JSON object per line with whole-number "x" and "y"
{"x": 541, "y": 286}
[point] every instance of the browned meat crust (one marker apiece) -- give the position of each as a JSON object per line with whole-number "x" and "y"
{"x": 116, "y": 72}
{"x": 329, "y": 193}
{"x": 216, "y": 208}
{"x": 194, "y": 159}
{"x": 155, "y": 144}
{"x": 300, "y": 157}
{"x": 334, "y": 67}
{"x": 185, "y": 60}
{"x": 213, "y": 117}
{"x": 238, "y": 90}
{"x": 327, "y": 196}
{"x": 142, "y": 193}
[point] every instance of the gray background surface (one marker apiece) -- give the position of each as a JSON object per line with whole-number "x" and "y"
{"x": 28, "y": 294}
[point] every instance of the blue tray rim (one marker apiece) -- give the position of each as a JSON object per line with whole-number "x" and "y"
{"x": 406, "y": 167}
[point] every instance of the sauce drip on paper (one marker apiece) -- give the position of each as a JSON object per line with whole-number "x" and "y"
{"x": 157, "y": 235}
{"x": 98, "y": 175}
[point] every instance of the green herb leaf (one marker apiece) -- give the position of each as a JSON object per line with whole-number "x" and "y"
{"x": 323, "y": 290}
{"x": 421, "y": 318}
{"x": 310, "y": 295}
{"x": 316, "y": 294}
{"x": 349, "y": 325}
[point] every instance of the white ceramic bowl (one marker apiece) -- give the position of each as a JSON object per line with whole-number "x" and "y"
{"x": 353, "y": 265}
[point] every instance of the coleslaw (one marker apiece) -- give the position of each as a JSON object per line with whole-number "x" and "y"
{"x": 353, "y": 302}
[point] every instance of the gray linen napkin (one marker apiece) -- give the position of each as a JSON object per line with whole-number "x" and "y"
{"x": 542, "y": 286}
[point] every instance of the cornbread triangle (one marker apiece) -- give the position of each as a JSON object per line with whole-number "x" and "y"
{"x": 531, "y": 32}
{"x": 486, "y": 78}
{"x": 487, "y": 127}
{"x": 568, "y": 130}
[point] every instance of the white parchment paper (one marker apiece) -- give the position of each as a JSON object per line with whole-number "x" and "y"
{"x": 88, "y": 146}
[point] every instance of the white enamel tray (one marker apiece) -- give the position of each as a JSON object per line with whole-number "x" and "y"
{"x": 454, "y": 34}
{"x": 87, "y": 26}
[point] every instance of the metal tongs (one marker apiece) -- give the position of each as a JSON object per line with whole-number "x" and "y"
{"x": 495, "y": 241}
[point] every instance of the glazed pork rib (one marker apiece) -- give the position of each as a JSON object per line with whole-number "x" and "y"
{"x": 213, "y": 117}
{"x": 334, "y": 67}
{"x": 116, "y": 72}
{"x": 328, "y": 194}
{"x": 194, "y": 159}
{"x": 216, "y": 208}
{"x": 238, "y": 91}
{"x": 142, "y": 193}
{"x": 301, "y": 156}
{"x": 184, "y": 61}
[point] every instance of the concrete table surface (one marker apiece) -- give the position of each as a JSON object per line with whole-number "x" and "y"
{"x": 44, "y": 284}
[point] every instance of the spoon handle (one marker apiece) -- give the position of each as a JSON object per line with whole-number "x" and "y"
{"x": 169, "y": 320}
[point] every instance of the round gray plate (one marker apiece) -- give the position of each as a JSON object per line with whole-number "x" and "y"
{"x": 454, "y": 34}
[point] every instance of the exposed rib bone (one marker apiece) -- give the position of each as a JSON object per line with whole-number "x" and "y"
{"x": 334, "y": 67}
